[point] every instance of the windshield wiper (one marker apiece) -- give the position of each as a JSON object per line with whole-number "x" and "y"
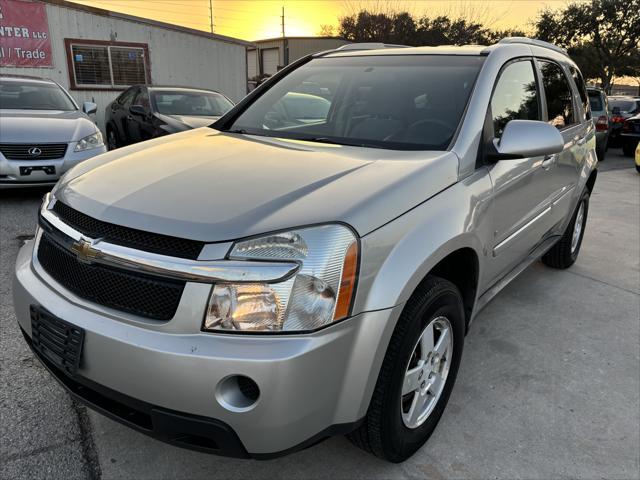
{"x": 241, "y": 131}
{"x": 354, "y": 143}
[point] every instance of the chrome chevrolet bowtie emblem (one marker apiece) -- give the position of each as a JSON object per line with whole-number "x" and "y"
{"x": 34, "y": 151}
{"x": 84, "y": 250}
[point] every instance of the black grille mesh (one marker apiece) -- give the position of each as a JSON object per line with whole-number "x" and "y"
{"x": 129, "y": 237}
{"x": 147, "y": 296}
{"x": 47, "y": 151}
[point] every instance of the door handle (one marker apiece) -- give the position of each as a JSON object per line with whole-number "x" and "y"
{"x": 129, "y": 117}
{"x": 582, "y": 141}
{"x": 548, "y": 161}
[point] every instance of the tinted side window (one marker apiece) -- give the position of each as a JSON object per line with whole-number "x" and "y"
{"x": 127, "y": 96}
{"x": 558, "y": 94}
{"x": 582, "y": 90}
{"x": 515, "y": 96}
{"x": 142, "y": 99}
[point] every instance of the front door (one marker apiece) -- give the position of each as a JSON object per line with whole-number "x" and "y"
{"x": 523, "y": 188}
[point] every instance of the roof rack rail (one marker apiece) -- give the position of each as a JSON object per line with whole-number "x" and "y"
{"x": 369, "y": 46}
{"x": 533, "y": 41}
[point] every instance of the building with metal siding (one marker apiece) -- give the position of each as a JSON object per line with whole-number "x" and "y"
{"x": 272, "y": 54}
{"x": 173, "y": 55}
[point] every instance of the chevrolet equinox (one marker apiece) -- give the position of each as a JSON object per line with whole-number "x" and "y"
{"x": 309, "y": 265}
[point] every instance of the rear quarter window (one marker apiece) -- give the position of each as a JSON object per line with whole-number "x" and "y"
{"x": 595, "y": 102}
{"x": 582, "y": 90}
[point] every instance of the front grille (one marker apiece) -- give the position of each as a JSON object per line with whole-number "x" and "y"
{"x": 144, "y": 295}
{"x": 128, "y": 237}
{"x": 33, "y": 151}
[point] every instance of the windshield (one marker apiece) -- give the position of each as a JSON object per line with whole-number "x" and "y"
{"x": 401, "y": 102}
{"x": 205, "y": 104}
{"x": 17, "y": 95}
{"x": 625, "y": 106}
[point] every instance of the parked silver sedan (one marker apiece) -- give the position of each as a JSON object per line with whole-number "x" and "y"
{"x": 43, "y": 132}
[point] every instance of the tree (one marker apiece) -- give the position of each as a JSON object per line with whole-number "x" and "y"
{"x": 326, "y": 31}
{"x": 603, "y": 36}
{"x": 632, "y": 68}
{"x": 403, "y": 28}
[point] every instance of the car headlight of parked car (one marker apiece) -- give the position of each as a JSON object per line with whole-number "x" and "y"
{"x": 90, "y": 141}
{"x": 318, "y": 294}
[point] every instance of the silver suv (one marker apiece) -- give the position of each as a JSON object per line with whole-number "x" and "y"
{"x": 293, "y": 273}
{"x": 43, "y": 132}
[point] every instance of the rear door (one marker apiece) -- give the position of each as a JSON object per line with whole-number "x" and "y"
{"x": 564, "y": 111}
{"x": 119, "y": 113}
{"x": 522, "y": 187}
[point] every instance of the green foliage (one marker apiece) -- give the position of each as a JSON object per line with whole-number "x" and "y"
{"x": 602, "y": 36}
{"x": 404, "y": 29}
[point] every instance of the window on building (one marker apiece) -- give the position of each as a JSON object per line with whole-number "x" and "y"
{"x": 113, "y": 65}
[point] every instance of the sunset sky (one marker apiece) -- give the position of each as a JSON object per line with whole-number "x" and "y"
{"x": 257, "y": 19}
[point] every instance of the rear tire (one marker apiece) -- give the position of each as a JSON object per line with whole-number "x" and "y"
{"x": 629, "y": 148}
{"x": 388, "y": 430}
{"x": 564, "y": 253}
{"x": 601, "y": 152}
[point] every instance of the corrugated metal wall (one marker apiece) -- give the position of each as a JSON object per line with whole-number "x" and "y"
{"x": 177, "y": 58}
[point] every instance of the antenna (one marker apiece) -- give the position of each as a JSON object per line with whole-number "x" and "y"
{"x": 282, "y": 17}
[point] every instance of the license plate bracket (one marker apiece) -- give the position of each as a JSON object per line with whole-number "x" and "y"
{"x": 48, "y": 169}
{"x": 56, "y": 340}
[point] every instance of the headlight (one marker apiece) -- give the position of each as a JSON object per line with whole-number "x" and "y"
{"x": 91, "y": 141}
{"x": 318, "y": 294}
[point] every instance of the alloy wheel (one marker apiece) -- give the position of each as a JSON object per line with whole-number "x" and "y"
{"x": 577, "y": 228}
{"x": 426, "y": 373}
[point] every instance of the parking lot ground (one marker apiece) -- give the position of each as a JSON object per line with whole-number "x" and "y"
{"x": 548, "y": 387}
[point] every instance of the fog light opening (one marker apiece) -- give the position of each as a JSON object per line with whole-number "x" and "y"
{"x": 237, "y": 393}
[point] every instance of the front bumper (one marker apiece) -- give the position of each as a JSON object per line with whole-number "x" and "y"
{"x": 311, "y": 385}
{"x": 11, "y": 176}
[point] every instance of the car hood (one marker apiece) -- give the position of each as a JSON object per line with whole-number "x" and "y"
{"x": 44, "y": 126}
{"x": 190, "y": 121}
{"x": 211, "y": 186}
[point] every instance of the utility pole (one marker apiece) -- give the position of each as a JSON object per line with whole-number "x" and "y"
{"x": 211, "y": 14}
{"x": 285, "y": 42}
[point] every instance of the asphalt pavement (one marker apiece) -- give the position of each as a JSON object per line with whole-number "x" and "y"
{"x": 549, "y": 385}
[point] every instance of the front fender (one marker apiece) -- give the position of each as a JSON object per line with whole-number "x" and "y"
{"x": 397, "y": 256}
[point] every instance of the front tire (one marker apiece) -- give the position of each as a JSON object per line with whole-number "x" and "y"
{"x": 417, "y": 374}
{"x": 112, "y": 139}
{"x": 564, "y": 253}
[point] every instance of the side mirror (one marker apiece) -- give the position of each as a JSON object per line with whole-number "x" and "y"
{"x": 528, "y": 138}
{"x": 137, "y": 110}
{"x": 89, "y": 108}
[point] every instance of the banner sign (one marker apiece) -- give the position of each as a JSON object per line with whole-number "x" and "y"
{"x": 24, "y": 34}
